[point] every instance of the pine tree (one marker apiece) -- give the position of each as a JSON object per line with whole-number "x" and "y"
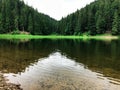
{"x": 30, "y": 23}
{"x": 3, "y": 18}
{"x": 100, "y": 25}
{"x": 115, "y": 24}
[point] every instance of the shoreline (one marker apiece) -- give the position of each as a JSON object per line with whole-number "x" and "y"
{"x": 7, "y": 86}
{"x": 23, "y": 36}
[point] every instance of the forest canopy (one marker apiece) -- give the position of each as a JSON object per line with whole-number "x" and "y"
{"x": 99, "y": 17}
{"x": 16, "y": 16}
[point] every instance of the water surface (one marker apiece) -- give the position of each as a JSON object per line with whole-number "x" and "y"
{"x": 61, "y": 64}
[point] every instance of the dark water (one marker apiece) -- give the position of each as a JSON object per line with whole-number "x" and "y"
{"x": 61, "y": 64}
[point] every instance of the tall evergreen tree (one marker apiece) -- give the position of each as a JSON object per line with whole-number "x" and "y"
{"x": 100, "y": 25}
{"x": 3, "y": 17}
{"x": 115, "y": 24}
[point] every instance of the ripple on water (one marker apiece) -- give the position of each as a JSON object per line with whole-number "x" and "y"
{"x": 57, "y": 72}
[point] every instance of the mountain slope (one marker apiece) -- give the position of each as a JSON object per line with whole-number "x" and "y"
{"x": 99, "y": 17}
{"x": 16, "y": 16}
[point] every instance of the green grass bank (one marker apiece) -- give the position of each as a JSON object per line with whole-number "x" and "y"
{"x": 10, "y": 36}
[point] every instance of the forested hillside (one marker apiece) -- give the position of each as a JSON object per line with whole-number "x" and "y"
{"x": 16, "y": 16}
{"x": 99, "y": 17}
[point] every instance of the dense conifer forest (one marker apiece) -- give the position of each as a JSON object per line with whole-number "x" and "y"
{"x": 16, "y": 16}
{"x": 99, "y": 17}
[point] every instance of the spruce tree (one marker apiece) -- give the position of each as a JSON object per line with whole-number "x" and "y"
{"x": 100, "y": 25}
{"x": 3, "y": 18}
{"x": 115, "y": 24}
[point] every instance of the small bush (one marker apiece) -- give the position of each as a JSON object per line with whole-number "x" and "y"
{"x": 15, "y": 32}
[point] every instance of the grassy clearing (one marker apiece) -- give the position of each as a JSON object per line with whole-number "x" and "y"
{"x": 10, "y": 36}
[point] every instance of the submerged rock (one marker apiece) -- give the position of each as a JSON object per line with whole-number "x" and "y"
{"x": 7, "y": 86}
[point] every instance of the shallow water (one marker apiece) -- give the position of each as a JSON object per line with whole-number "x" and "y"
{"x": 61, "y": 64}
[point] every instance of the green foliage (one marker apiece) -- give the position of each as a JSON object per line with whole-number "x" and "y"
{"x": 15, "y": 32}
{"x": 96, "y": 18}
{"x": 116, "y": 24}
{"x": 99, "y": 17}
{"x": 100, "y": 25}
{"x": 14, "y": 14}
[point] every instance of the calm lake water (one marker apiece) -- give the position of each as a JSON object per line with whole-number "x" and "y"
{"x": 61, "y": 64}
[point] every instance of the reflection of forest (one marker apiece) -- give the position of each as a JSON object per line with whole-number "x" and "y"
{"x": 16, "y": 56}
{"x": 100, "y": 56}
